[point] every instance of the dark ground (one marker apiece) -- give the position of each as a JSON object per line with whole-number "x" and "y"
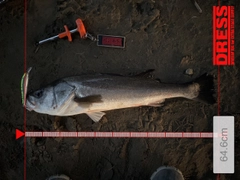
{"x": 168, "y": 36}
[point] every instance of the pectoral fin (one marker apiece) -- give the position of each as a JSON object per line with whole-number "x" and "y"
{"x": 96, "y": 116}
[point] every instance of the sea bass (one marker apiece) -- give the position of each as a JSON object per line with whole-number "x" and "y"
{"x": 93, "y": 94}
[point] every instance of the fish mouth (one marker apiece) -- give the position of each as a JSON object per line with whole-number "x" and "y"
{"x": 30, "y": 105}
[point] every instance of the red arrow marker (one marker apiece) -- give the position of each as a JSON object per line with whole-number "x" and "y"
{"x": 19, "y": 134}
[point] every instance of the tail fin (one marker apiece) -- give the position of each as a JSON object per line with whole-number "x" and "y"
{"x": 206, "y": 89}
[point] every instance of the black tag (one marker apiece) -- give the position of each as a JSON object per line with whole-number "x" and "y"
{"x": 111, "y": 41}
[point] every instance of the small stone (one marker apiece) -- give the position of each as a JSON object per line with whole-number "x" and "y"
{"x": 189, "y": 72}
{"x": 104, "y": 120}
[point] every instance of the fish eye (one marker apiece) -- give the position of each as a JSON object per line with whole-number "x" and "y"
{"x": 38, "y": 94}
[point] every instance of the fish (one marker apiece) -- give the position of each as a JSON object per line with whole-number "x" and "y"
{"x": 93, "y": 94}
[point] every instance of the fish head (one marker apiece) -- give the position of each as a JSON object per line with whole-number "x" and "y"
{"x": 41, "y": 100}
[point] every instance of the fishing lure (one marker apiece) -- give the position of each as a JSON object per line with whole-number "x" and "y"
{"x": 24, "y": 85}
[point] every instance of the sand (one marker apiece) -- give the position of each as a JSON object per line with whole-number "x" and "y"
{"x": 168, "y": 36}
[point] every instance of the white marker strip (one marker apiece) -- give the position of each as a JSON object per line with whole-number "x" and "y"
{"x": 51, "y": 134}
{"x": 206, "y": 135}
{"x": 103, "y": 134}
{"x": 156, "y": 135}
{"x": 86, "y": 134}
{"x": 191, "y": 134}
{"x": 33, "y": 134}
{"x": 68, "y": 134}
{"x": 122, "y": 134}
{"x": 174, "y": 135}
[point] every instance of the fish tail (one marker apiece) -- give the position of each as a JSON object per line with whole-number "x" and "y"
{"x": 206, "y": 89}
